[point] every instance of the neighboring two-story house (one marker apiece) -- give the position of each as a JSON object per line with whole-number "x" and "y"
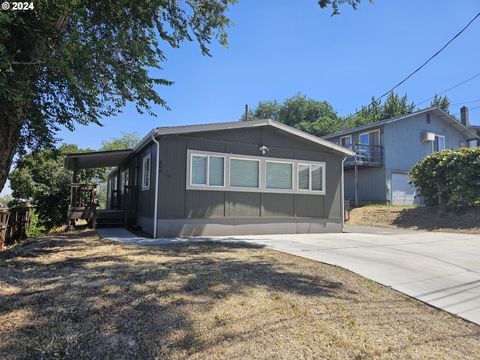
{"x": 387, "y": 150}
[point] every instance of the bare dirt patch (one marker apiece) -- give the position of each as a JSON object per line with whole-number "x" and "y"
{"x": 75, "y": 296}
{"x": 417, "y": 218}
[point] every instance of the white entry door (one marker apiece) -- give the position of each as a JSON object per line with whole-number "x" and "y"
{"x": 402, "y": 192}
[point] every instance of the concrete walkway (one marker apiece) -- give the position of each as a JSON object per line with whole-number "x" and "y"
{"x": 441, "y": 269}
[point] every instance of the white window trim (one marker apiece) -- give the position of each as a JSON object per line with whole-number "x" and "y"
{"x": 444, "y": 143}
{"x": 246, "y": 159}
{"x": 309, "y": 190}
{"x": 368, "y": 133}
{"x": 280, "y": 162}
{"x": 144, "y": 160}
{"x": 262, "y": 174}
{"x": 207, "y": 184}
{"x": 346, "y": 137}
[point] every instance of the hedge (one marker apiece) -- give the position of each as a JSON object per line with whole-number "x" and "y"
{"x": 450, "y": 178}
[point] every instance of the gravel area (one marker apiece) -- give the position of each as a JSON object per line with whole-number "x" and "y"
{"x": 74, "y": 296}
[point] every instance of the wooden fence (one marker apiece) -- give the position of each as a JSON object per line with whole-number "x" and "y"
{"x": 14, "y": 224}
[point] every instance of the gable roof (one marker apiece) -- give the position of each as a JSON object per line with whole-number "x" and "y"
{"x": 176, "y": 130}
{"x": 466, "y": 132}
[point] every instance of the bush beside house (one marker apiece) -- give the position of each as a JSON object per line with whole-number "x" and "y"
{"x": 450, "y": 178}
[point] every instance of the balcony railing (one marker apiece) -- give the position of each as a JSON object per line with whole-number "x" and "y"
{"x": 365, "y": 155}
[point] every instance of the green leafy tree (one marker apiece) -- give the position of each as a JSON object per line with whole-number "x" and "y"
{"x": 449, "y": 178}
{"x": 76, "y": 62}
{"x": 5, "y": 199}
{"x": 264, "y": 110}
{"x": 125, "y": 141}
{"x": 40, "y": 177}
{"x": 394, "y": 105}
{"x": 312, "y": 116}
{"x": 441, "y": 102}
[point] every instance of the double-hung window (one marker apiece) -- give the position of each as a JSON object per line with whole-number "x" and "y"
{"x": 207, "y": 170}
{"x": 311, "y": 177}
{"x": 146, "y": 171}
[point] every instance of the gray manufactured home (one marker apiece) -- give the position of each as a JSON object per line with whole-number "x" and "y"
{"x": 385, "y": 152}
{"x": 254, "y": 177}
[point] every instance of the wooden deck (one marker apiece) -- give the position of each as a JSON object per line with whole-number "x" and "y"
{"x": 84, "y": 205}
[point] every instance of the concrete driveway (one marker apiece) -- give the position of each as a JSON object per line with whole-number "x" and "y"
{"x": 441, "y": 269}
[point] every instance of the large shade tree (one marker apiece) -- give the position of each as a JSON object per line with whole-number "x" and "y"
{"x": 315, "y": 117}
{"x": 75, "y": 62}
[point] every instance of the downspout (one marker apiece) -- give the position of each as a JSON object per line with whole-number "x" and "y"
{"x": 157, "y": 170}
{"x": 343, "y": 193}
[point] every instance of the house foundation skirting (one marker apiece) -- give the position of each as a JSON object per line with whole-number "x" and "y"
{"x": 239, "y": 226}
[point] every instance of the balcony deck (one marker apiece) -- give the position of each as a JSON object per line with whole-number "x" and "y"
{"x": 365, "y": 156}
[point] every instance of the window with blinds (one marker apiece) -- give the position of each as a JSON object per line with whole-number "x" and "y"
{"x": 207, "y": 170}
{"x": 219, "y": 171}
{"x": 216, "y": 171}
{"x": 279, "y": 175}
{"x": 244, "y": 173}
{"x": 311, "y": 177}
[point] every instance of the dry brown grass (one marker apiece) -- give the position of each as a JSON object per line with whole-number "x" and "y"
{"x": 417, "y": 218}
{"x": 75, "y": 296}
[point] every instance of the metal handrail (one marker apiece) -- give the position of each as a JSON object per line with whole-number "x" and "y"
{"x": 365, "y": 153}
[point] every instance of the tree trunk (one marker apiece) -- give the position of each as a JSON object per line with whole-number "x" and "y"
{"x": 10, "y": 126}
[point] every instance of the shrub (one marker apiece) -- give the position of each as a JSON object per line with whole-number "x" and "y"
{"x": 450, "y": 178}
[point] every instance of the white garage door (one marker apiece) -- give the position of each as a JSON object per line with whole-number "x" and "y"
{"x": 402, "y": 192}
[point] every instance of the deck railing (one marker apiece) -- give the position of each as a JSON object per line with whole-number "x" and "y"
{"x": 83, "y": 195}
{"x": 365, "y": 155}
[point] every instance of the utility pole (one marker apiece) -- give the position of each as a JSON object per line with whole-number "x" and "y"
{"x": 246, "y": 112}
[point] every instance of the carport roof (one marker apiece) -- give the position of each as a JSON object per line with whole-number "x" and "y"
{"x": 95, "y": 159}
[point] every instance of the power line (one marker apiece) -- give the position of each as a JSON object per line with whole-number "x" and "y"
{"x": 474, "y": 108}
{"x": 421, "y": 66}
{"x": 451, "y": 88}
{"x": 432, "y": 57}
{"x": 466, "y": 102}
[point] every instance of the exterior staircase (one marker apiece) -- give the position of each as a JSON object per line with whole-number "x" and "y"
{"x": 110, "y": 218}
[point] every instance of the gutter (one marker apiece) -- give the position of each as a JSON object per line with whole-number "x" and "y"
{"x": 157, "y": 170}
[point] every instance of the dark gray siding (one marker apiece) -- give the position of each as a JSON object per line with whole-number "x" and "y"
{"x": 145, "y": 197}
{"x": 176, "y": 202}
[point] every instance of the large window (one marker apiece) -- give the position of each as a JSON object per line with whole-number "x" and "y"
{"x": 146, "y": 171}
{"x": 311, "y": 177}
{"x": 232, "y": 172}
{"x": 244, "y": 173}
{"x": 207, "y": 170}
{"x": 279, "y": 175}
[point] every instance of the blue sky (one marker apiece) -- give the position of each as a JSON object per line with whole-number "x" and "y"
{"x": 281, "y": 47}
